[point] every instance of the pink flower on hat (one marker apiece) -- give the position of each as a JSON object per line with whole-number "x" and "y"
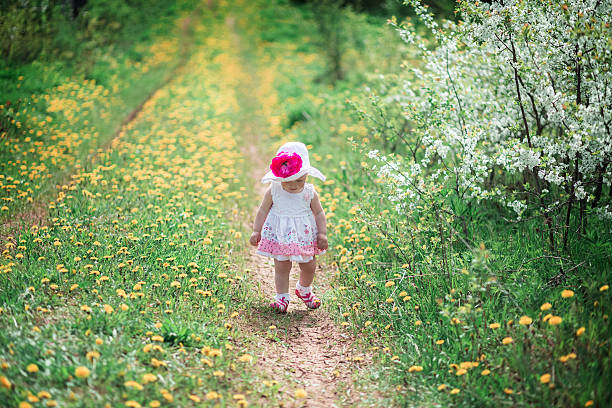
{"x": 285, "y": 164}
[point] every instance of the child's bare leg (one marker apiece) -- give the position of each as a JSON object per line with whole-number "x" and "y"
{"x": 303, "y": 288}
{"x": 307, "y": 272}
{"x": 281, "y": 276}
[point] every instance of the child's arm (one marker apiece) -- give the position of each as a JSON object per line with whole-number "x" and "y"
{"x": 320, "y": 220}
{"x": 260, "y": 218}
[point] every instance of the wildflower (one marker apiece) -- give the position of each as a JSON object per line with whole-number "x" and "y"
{"x": 132, "y": 404}
{"x": 32, "y": 368}
{"x": 494, "y": 326}
{"x": 148, "y": 377}
{"x": 194, "y": 398}
{"x": 508, "y": 391}
{"x": 134, "y": 384}
{"x": 485, "y": 372}
{"x": 545, "y": 306}
{"x": 580, "y": 331}
{"x": 461, "y": 371}
{"x": 567, "y": 293}
{"x": 5, "y": 382}
{"x": 99, "y": 341}
{"x": 81, "y": 372}
{"x": 300, "y": 393}
{"x": 245, "y": 358}
{"x": 438, "y": 342}
{"x": 507, "y": 340}
{"x": 389, "y": 284}
{"x": 604, "y": 288}
{"x": 555, "y": 320}
{"x": 415, "y": 368}
{"x": 589, "y": 403}
{"x": 44, "y": 395}
{"x": 91, "y": 355}
{"x": 155, "y": 404}
{"x": 545, "y": 378}
{"x": 525, "y": 320}
{"x": 212, "y": 395}
{"x": 441, "y": 387}
{"x": 455, "y": 391}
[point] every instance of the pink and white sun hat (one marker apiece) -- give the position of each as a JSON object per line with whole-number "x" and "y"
{"x": 290, "y": 163}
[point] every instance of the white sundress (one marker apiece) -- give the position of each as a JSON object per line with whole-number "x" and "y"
{"x": 290, "y": 231}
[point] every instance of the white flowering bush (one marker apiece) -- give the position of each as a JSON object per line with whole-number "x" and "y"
{"x": 511, "y": 105}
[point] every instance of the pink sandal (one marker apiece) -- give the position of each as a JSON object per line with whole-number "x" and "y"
{"x": 280, "y": 305}
{"x": 311, "y": 301}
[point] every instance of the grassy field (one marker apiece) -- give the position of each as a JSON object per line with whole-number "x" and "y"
{"x": 123, "y": 277}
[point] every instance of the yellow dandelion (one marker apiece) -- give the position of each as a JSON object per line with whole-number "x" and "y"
{"x": 415, "y": 369}
{"x": 580, "y": 331}
{"x": 545, "y": 306}
{"x": 194, "y": 398}
{"x": 589, "y": 403}
{"x": 81, "y": 372}
{"x": 5, "y": 382}
{"x": 389, "y": 284}
{"x": 507, "y": 340}
{"x": 32, "y": 368}
{"x": 508, "y": 391}
{"x": 300, "y": 393}
{"x": 212, "y": 395}
{"x": 155, "y": 404}
{"x": 494, "y": 326}
{"x": 461, "y": 371}
{"x": 44, "y": 395}
{"x": 555, "y": 320}
{"x": 545, "y": 378}
{"x": 485, "y": 372}
{"x": 525, "y": 320}
{"x": 438, "y": 342}
{"x": 24, "y": 404}
{"x": 455, "y": 391}
{"x": 441, "y": 387}
{"x": 148, "y": 377}
{"x": 132, "y": 404}
{"x": 604, "y": 288}
{"x": 134, "y": 384}
{"x": 567, "y": 293}
{"x": 245, "y": 358}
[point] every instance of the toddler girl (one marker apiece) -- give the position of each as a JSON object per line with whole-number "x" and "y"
{"x": 290, "y": 224}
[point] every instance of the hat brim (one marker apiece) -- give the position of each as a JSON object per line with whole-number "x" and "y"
{"x": 311, "y": 171}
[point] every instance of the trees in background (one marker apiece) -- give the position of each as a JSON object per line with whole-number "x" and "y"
{"x": 512, "y": 108}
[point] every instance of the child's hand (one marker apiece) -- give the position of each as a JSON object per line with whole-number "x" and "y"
{"x": 322, "y": 241}
{"x": 255, "y": 238}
